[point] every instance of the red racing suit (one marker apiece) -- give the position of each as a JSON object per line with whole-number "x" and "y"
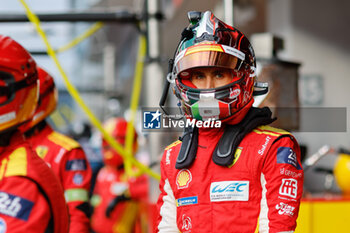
{"x": 125, "y": 218}
{"x": 68, "y": 161}
{"x": 260, "y": 192}
{"x": 31, "y": 197}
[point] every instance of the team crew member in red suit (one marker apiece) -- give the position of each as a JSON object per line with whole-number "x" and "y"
{"x": 31, "y": 197}
{"x": 236, "y": 174}
{"x": 63, "y": 154}
{"x": 117, "y": 199}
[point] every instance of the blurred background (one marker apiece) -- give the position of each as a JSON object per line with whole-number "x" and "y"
{"x": 302, "y": 48}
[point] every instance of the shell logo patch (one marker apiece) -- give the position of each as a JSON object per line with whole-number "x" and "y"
{"x": 42, "y": 151}
{"x": 183, "y": 178}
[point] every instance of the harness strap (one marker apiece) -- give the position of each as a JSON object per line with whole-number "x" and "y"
{"x": 188, "y": 149}
{"x": 225, "y": 150}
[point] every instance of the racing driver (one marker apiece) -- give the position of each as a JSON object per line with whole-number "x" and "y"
{"x": 242, "y": 176}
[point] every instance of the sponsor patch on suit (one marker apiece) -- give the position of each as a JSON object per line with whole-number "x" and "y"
{"x": 76, "y": 165}
{"x": 15, "y": 206}
{"x": 187, "y": 201}
{"x": 287, "y": 156}
{"x": 229, "y": 191}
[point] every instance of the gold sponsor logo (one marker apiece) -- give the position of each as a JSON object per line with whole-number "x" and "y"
{"x": 42, "y": 151}
{"x": 183, "y": 178}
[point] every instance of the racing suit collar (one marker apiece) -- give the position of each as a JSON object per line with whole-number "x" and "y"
{"x": 9, "y": 139}
{"x": 211, "y": 131}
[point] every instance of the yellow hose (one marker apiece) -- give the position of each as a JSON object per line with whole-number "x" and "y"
{"x": 95, "y": 27}
{"x": 134, "y": 103}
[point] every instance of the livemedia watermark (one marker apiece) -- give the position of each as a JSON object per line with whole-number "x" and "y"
{"x": 303, "y": 119}
{"x": 155, "y": 120}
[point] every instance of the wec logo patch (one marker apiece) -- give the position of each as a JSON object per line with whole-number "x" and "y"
{"x": 229, "y": 191}
{"x": 15, "y": 206}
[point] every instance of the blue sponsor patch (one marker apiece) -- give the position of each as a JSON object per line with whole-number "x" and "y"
{"x": 287, "y": 155}
{"x": 15, "y": 206}
{"x": 76, "y": 165}
{"x": 78, "y": 179}
{"x": 187, "y": 201}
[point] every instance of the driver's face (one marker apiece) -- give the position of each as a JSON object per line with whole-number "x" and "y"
{"x": 210, "y": 77}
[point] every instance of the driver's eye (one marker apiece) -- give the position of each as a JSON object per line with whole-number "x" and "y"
{"x": 219, "y": 75}
{"x": 198, "y": 75}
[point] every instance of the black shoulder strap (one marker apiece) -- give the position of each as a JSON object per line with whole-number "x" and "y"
{"x": 224, "y": 152}
{"x": 188, "y": 149}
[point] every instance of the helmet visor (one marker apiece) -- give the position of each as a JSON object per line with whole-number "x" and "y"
{"x": 6, "y": 80}
{"x": 8, "y": 85}
{"x": 209, "y": 55}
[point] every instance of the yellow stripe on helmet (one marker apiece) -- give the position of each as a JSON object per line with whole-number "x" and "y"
{"x": 204, "y": 48}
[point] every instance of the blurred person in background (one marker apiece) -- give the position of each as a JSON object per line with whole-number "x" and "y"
{"x": 239, "y": 174}
{"x": 118, "y": 200}
{"x": 63, "y": 154}
{"x": 89, "y": 139}
{"x": 31, "y": 196}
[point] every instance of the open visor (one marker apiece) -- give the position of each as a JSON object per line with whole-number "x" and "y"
{"x": 207, "y": 55}
{"x": 8, "y": 85}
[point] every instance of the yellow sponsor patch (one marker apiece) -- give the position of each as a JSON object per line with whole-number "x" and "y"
{"x": 42, "y": 151}
{"x": 63, "y": 141}
{"x": 2, "y": 168}
{"x": 17, "y": 163}
{"x": 183, "y": 178}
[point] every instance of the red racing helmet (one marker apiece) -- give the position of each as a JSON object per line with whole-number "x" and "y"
{"x": 48, "y": 97}
{"x": 18, "y": 84}
{"x": 117, "y": 128}
{"x": 209, "y": 42}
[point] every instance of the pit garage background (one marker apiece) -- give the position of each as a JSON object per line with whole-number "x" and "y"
{"x": 302, "y": 49}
